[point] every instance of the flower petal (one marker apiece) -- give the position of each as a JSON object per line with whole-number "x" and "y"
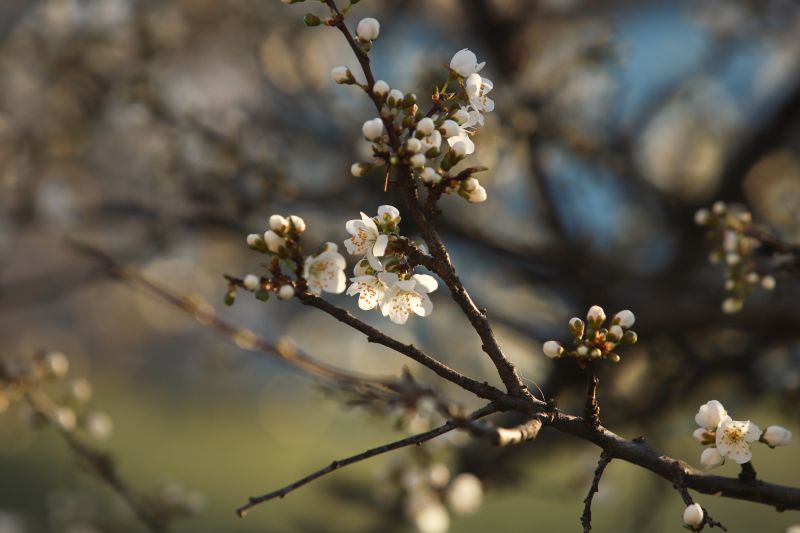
{"x": 380, "y": 245}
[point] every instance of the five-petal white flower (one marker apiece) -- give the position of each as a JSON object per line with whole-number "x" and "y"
{"x": 734, "y": 438}
{"x": 366, "y": 240}
{"x": 325, "y": 271}
{"x": 407, "y": 296}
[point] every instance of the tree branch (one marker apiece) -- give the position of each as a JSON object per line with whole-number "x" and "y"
{"x": 335, "y": 465}
{"x": 586, "y": 517}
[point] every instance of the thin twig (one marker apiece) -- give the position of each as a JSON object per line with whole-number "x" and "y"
{"x": 591, "y": 409}
{"x": 335, "y": 465}
{"x": 687, "y": 500}
{"x": 586, "y": 517}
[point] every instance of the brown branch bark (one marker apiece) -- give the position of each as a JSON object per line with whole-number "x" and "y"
{"x": 586, "y": 517}
{"x": 335, "y": 465}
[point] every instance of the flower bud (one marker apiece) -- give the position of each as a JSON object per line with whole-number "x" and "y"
{"x": 768, "y": 282}
{"x": 395, "y": 98}
{"x": 254, "y": 240}
{"x": 733, "y": 258}
{"x": 477, "y": 195}
{"x": 286, "y": 292}
{"x": 359, "y": 169}
{"x": 552, "y": 349}
{"x": 297, "y": 223}
{"x": 719, "y": 208}
{"x": 373, "y": 129}
{"x": 776, "y": 436}
{"x": 732, "y": 305}
{"x": 459, "y": 149}
{"x": 596, "y": 316}
{"x": 56, "y": 364}
{"x": 311, "y": 20}
{"x": 80, "y": 390}
{"x": 693, "y": 515}
{"x": 381, "y": 88}
{"x": 450, "y": 128}
{"x": 65, "y": 418}
{"x": 368, "y": 29}
{"x": 277, "y": 223}
{"x": 702, "y": 217}
{"x": 582, "y": 350}
{"x": 251, "y": 282}
{"x": 417, "y": 160}
{"x": 465, "y": 493}
{"x": 630, "y": 337}
{"x": 625, "y": 319}
{"x": 614, "y": 334}
{"x": 701, "y": 435}
{"x": 98, "y": 425}
{"x": 274, "y": 241}
{"x": 342, "y": 75}
{"x": 576, "y": 327}
{"x": 614, "y": 358}
{"x": 752, "y": 278}
{"x": 710, "y": 415}
{"x": 413, "y": 145}
{"x": 470, "y": 184}
{"x": 429, "y": 175}
{"x": 426, "y": 126}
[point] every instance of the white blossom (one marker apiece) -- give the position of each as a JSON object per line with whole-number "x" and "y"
{"x": 274, "y": 241}
{"x": 373, "y": 129}
{"x": 552, "y": 349}
{"x": 426, "y": 126}
{"x": 462, "y": 137}
{"x": 371, "y": 289}
{"x": 693, "y": 515}
{"x": 341, "y": 75}
{"x": 413, "y": 145}
{"x": 710, "y": 415}
{"x": 768, "y": 282}
{"x": 719, "y": 208}
{"x": 477, "y": 89}
{"x": 431, "y": 517}
{"x": 408, "y": 296}
{"x": 624, "y": 318}
{"x": 368, "y": 29}
{"x": 429, "y": 175}
{"x": 325, "y": 271}
{"x": 776, "y": 436}
{"x": 711, "y": 458}
{"x": 251, "y": 282}
{"x": 734, "y": 438}
{"x": 434, "y": 140}
{"x": 465, "y": 62}
{"x": 381, "y": 88}
{"x": 366, "y": 239}
{"x": 465, "y": 493}
{"x": 388, "y": 214}
{"x": 286, "y": 292}
{"x": 461, "y": 116}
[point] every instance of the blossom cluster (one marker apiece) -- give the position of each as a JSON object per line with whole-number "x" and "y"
{"x": 27, "y": 382}
{"x": 728, "y": 228}
{"x": 593, "y": 341}
{"x": 420, "y": 137}
{"x": 726, "y": 437}
{"x": 382, "y": 278}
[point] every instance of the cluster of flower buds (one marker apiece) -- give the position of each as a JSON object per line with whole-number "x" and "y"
{"x": 383, "y": 277}
{"x": 420, "y": 137}
{"x": 29, "y": 380}
{"x": 592, "y": 341}
{"x": 323, "y": 271}
{"x": 728, "y": 228}
{"x": 429, "y": 493}
{"x": 726, "y": 437}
